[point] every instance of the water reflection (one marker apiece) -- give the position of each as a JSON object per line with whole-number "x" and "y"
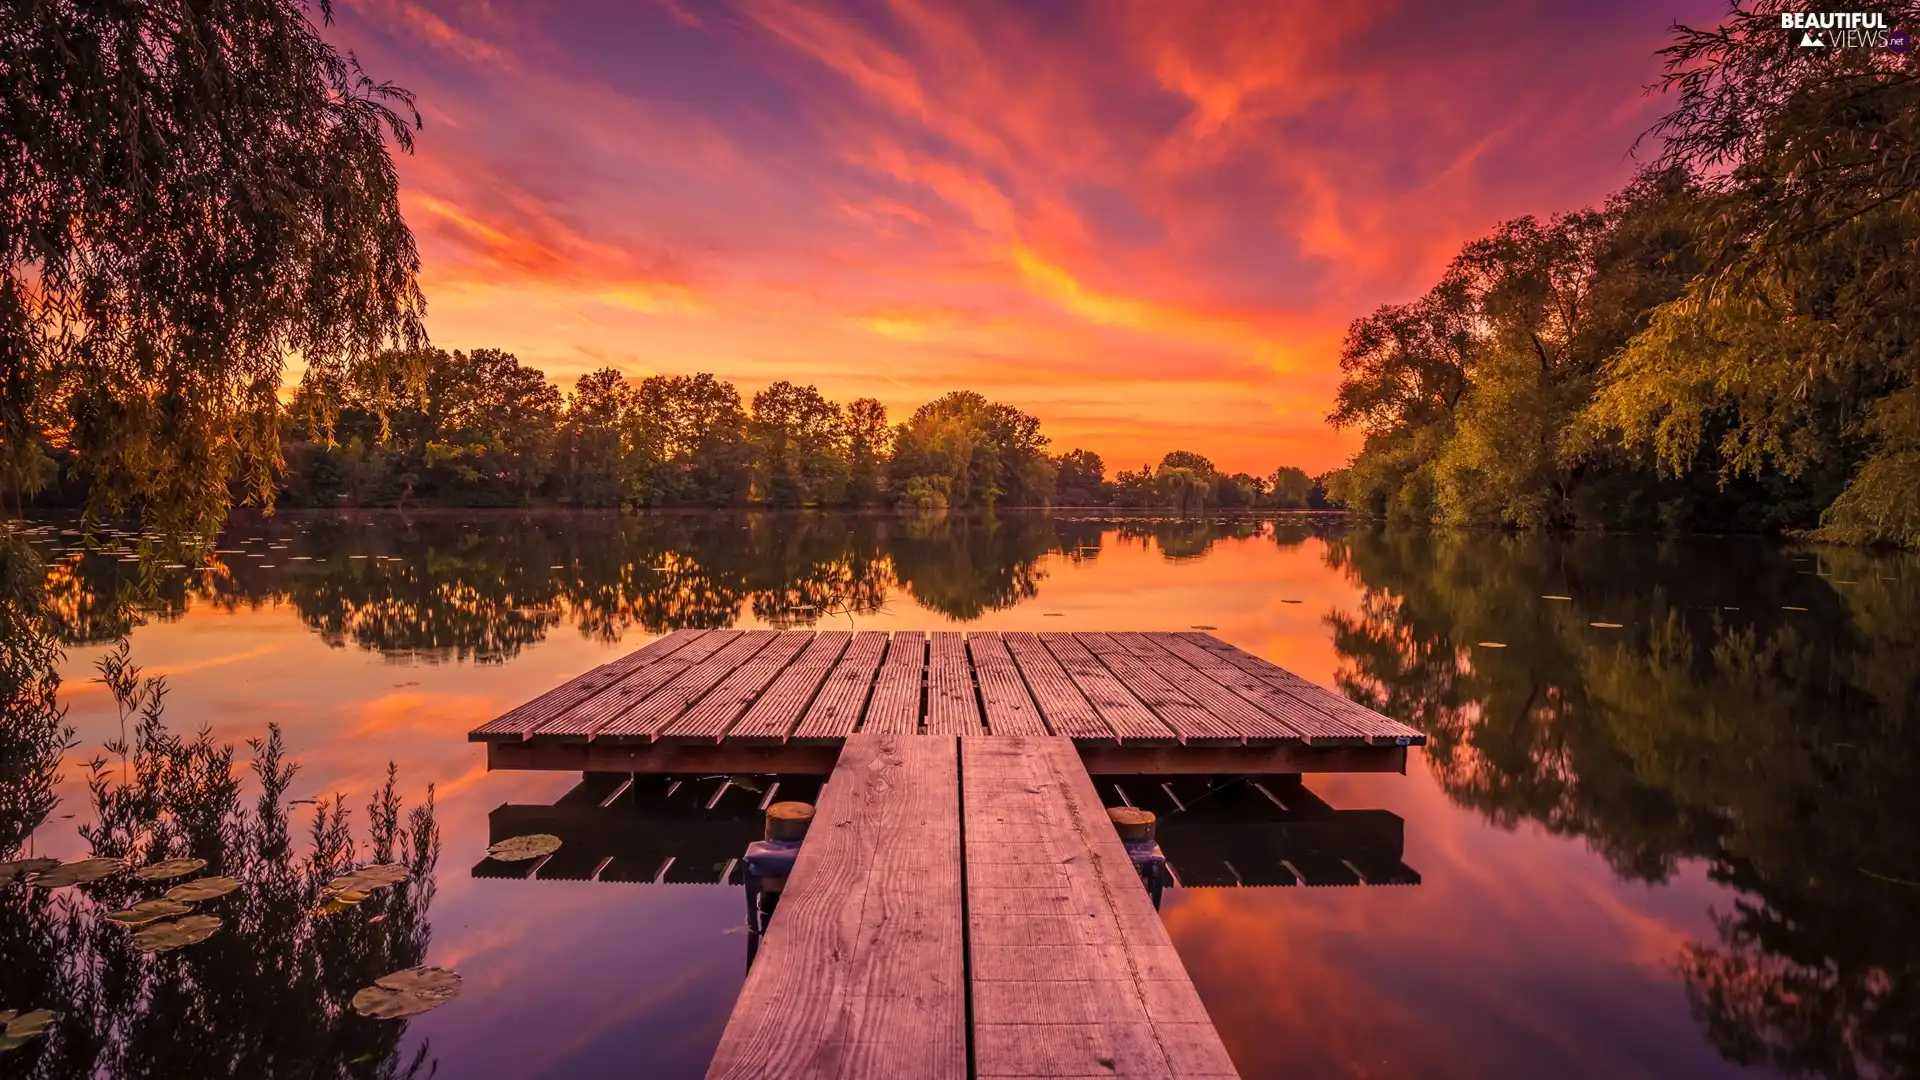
{"x": 1714, "y": 727}
{"x": 267, "y": 995}
{"x": 1258, "y": 831}
{"x": 1754, "y": 708}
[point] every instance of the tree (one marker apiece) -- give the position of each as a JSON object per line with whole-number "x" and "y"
{"x": 495, "y": 424}
{"x": 869, "y": 445}
{"x": 594, "y": 439}
{"x": 1797, "y": 348}
{"x": 962, "y": 450}
{"x": 1080, "y": 479}
{"x": 800, "y": 445}
{"x": 1291, "y": 489}
{"x": 694, "y": 433}
{"x": 193, "y": 193}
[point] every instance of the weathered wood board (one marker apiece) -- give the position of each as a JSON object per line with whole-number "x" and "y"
{"x": 862, "y": 971}
{"x": 1072, "y": 971}
{"x": 1190, "y": 691}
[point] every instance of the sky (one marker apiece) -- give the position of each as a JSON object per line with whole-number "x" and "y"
{"x": 1148, "y": 223}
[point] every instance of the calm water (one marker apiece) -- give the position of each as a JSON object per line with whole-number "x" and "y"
{"x": 1685, "y": 846}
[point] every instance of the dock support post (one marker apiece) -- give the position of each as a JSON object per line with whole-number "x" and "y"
{"x": 1136, "y": 829}
{"x": 767, "y": 864}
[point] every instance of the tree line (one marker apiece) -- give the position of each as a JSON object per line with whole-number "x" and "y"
{"x": 1730, "y": 342}
{"x": 480, "y": 428}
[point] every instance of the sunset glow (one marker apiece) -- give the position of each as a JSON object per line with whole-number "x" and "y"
{"x": 1147, "y": 223}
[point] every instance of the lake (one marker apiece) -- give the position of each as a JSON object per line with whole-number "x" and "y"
{"x": 1667, "y": 823}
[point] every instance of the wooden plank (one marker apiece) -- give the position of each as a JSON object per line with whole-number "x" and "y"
{"x": 1243, "y": 716}
{"x": 861, "y": 972}
{"x": 895, "y": 704}
{"x": 1319, "y": 727}
{"x": 579, "y": 723}
{"x": 666, "y": 704}
{"x": 1062, "y": 706}
{"x": 1149, "y": 759}
{"x": 774, "y": 715}
{"x": 1073, "y": 972}
{"x": 816, "y": 758}
{"x": 1381, "y": 730}
{"x": 1129, "y": 720}
{"x": 952, "y": 706}
{"x": 843, "y": 697}
{"x": 1003, "y": 693}
{"x": 518, "y": 723}
{"x": 800, "y": 759}
{"x": 716, "y": 712}
{"x": 1189, "y": 721}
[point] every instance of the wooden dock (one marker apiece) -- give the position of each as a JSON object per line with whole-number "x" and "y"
{"x": 783, "y": 701}
{"x": 962, "y": 906}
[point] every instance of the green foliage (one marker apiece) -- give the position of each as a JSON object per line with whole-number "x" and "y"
{"x": 800, "y": 442}
{"x": 1732, "y": 340}
{"x": 963, "y": 451}
{"x": 1080, "y": 479}
{"x": 193, "y": 193}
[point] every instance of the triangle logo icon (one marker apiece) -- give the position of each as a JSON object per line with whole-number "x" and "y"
{"x": 1811, "y": 40}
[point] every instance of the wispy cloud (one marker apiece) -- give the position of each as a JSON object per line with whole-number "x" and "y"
{"x": 1149, "y": 221}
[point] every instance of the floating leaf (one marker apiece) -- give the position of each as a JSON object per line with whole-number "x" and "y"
{"x": 522, "y": 848}
{"x": 206, "y": 888}
{"x": 167, "y": 936}
{"x": 1290, "y": 601}
{"x": 172, "y": 868}
{"x": 148, "y": 911}
{"x": 1606, "y": 625}
{"x": 1790, "y": 607}
{"x": 1203, "y": 626}
{"x": 369, "y": 878}
{"x": 77, "y": 873}
{"x": 1556, "y": 598}
{"x": 18, "y": 868}
{"x": 16, "y": 1028}
{"x": 1492, "y": 644}
{"x": 404, "y": 993}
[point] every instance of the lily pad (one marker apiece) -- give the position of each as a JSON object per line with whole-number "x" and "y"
{"x": 522, "y": 848}
{"x": 16, "y": 1027}
{"x": 206, "y": 888}
{"x": 149, "y": 911}
{"x": 368, "y": 878}
{"x": 172, "y": 868}
{"x": 167, "y": 936}
{"x": 77, "y": 873}
{"x": 19, "y": 868}
{"x": 405, "y": 993}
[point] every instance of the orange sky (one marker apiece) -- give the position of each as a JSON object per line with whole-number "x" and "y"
{"x": 1147, "y": 222}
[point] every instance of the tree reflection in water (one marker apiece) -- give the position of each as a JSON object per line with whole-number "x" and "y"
{"x": 266, "y": 996}
{"x": 1715, "y": 724}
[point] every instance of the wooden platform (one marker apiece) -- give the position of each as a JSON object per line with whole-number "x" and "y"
{"x": 783, "y": 701}
{"x": 962, "y": 907}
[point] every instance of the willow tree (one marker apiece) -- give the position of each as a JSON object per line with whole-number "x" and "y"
{"x": 1799, "y": 347}
{"x": 196, "y": 193}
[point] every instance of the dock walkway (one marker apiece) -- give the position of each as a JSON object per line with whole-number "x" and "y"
{"x": 963, "y": 907}
{"x": 784, "y": 701}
